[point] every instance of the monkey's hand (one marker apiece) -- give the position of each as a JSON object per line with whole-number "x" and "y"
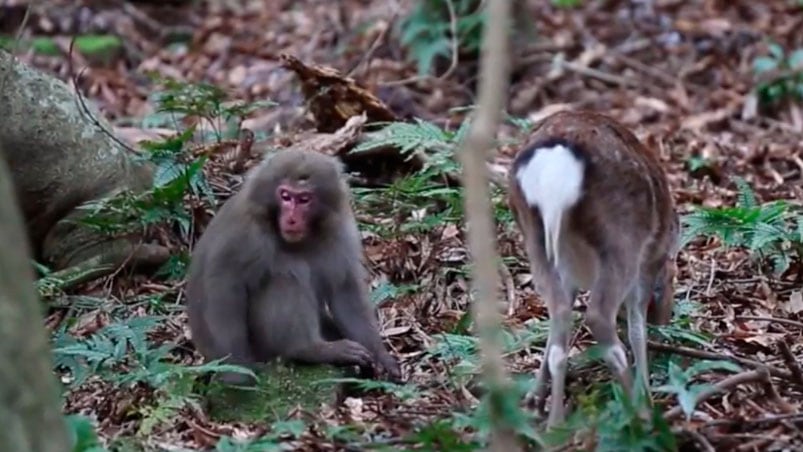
{"x": 391, "y": 366}
{"x": 348, "y": 352}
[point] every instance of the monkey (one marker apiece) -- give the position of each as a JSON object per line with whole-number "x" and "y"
{"x": 278, "y": 273}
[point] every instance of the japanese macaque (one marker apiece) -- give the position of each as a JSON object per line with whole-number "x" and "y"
{"x": 596, "y": 214}
{"x": 279, "y": 273}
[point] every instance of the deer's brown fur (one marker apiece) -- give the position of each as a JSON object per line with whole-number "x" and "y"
{"x": 608, "y": 225}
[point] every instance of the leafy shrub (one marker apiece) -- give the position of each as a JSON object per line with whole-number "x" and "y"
{"x": 773, "y": 229}
{"x": 423, "y": 190}
{"x": 788, "y": 82}
{"x": 426, "y": 32}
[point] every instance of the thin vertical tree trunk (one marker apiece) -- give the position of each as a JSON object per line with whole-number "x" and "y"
{"x": 30, "y": 415}
{"x": 492, "y": 91}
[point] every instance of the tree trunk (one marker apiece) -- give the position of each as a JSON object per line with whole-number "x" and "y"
{"x": 30, "y": 416}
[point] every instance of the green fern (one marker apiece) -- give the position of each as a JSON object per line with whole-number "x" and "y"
{"x": 126, "y": 344}
{"x": 746, "y": 197}
{"x": 409, "y": 137}
{"x": 769, "y": 230}
{"x": 103, "y": 350}
{"x": 423, "y": 191}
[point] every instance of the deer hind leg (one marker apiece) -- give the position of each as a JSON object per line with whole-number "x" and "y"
{"x": 559, "y": 299}
{"x": 637, "y": 304}
{"x": 609, "y": 291}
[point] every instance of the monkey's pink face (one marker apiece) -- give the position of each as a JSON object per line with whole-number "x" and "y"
{"x": 295, "y": 207}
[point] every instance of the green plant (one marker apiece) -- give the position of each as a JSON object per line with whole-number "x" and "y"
{"x": 680, "y": 329}
{"x": 696, "y": 163}
{"x": 679, "y": 382}
{"x": 125, "y": 343}
{"x": 427, "y": 31}
{"x": 422, "y": 195}
{"x": 178, "y": 101}
{"x": 402, "y": 392}
{"x": 465, "y": 431}
{"x": 787, "y": 80}
{"x": 442, "y": 434}
{"x": 177, "y": 171}
{"x": 567, "y": 3}
{"x": 611, "y": 421}
{"x": 387, "y": 291}
{"x": 45, "y": 45}
{"x": 82, "y": 434}
{"x": 773, "y": 229}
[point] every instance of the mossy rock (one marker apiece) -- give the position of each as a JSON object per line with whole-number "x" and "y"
{"x": 282, "y": 387}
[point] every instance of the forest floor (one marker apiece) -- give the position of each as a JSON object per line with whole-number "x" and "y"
{"x": 682, "y": 76}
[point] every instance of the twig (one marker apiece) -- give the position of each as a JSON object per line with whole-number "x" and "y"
{"x": 510, "y": 289}
{"x": 791, "y": 362}
{"x": 793, "y": 417}
{"x": 374, "y": 45}
{"x": 455, "y": 40}
{"x": 455, "y": 50}
{"x": 750, "y": 376}
{"x": 772, "y": 393}
{"x": 82, "y": 103}
{"x": 649, "y": 70}
{"x": 759, "y": 442}
{"x": 598, "y": 74}
{"x": 694, "y": 353}
{"x": 711, "y": 277}
{"x": 770, "y": 319}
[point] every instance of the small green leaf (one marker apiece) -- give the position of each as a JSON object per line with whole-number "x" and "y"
{"x": 764, "y": 64}
{"x": 82, "y": 433}
{"x": 709, "y": 365}
{"x": 97, "y": 44}
{"x": 796, "y": 59}
{"x": 776, "y": 50}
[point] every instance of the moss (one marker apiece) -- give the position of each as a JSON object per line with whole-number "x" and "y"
{"x": 281, "y": 388}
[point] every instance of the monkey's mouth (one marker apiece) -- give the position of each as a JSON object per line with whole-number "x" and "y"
{"x": 293, "y": 235}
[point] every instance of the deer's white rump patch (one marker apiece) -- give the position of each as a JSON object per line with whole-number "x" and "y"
{"x": 551, "y": 181}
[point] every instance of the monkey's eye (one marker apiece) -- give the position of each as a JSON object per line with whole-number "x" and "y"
{"x": 285, "y": 195}
{"x": 303, "y": 199}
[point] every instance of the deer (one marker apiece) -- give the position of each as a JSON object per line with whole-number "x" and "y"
{"x": 596, "y": 213}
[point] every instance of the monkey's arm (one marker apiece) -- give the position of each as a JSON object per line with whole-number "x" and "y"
{"x": 286, "y": 323}
{"x": 353, "y": 314}
{"x": 225, "y": 315}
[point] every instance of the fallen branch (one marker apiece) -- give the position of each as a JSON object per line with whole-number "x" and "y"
{"x": 694, "y": 353}
{"x": 750, "y": 376}
{"x": 761, "y": 376}
{"x": 791, "y": 362}
{"x": 791, "y": 417}
{"x": 770, "y": 319}
{"x": 597, "y": 74}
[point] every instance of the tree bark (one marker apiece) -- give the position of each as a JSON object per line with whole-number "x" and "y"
{"x": 60, "y": 154}
{"x": 492, "y": 90}
{"x": 30, "y": 415}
